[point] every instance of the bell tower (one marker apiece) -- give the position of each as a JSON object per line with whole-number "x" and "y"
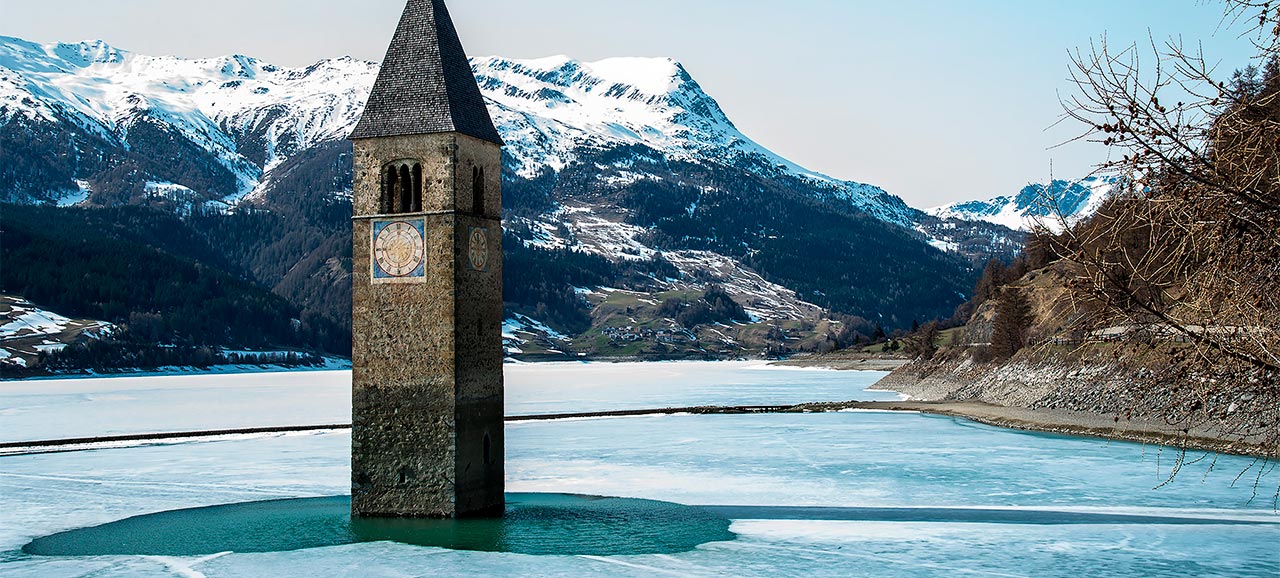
{"x": 426, "y": 356}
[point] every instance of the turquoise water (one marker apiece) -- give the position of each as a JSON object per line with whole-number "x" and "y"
{"x": 535, "y": 524}
{"x": 539, "y": 524}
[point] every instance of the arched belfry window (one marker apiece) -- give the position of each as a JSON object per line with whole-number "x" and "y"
{"x": 477, "y": 190}
{"x": 389, "y": 184}
{"x": 401, "y": 188}
{"x": 404, "y": 201}
{"x": 416, "y": 205}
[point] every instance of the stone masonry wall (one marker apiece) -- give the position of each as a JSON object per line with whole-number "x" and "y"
{"x": 427, "y": 359}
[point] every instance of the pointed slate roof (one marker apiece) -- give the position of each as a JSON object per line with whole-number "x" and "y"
{"x": 426, "y": 84}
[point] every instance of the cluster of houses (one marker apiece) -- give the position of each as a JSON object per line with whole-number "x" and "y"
{"x": 632, "y": 334}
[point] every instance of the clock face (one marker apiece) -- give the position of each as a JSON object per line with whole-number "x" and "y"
{"x": 478, "y": 248}
{"x": 399, "y": 250}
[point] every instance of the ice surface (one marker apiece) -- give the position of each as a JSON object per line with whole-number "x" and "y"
{"x": 544, "y": 388}
{"x": 73, "y": 408}
{"x": 851, "y": 459}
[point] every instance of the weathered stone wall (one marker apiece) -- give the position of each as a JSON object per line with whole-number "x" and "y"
{"x": 478, "y": 333}
{"x": 427, "y": 356}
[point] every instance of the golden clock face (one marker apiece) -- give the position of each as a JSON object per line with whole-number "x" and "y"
{"x": 478, "y": 248}
{"x": 398, "y": 249}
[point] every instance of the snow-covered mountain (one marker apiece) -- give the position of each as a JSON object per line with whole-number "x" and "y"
{"x": 628, "y": 159}
{"x": 549, "y": 109}
{"x": 1036, "y": 204}
{"x": 246, "y": 115}
{"x": 250, "y": 116}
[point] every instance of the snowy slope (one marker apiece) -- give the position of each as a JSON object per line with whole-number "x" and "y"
{"x": 1035, "y": 204}
{"x": 26, "y": 331}
{"x": 549, "y": 109}
{"x": 251, "y": 116}
{"x": 219, "y": 104}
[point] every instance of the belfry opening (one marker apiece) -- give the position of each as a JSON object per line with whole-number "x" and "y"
{"x": 401, "y": 188}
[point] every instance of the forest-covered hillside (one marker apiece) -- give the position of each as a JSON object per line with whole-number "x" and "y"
{"x": 156, "y": 276}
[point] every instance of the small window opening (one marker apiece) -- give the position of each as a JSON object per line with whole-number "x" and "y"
{"x": 477, "y": 190}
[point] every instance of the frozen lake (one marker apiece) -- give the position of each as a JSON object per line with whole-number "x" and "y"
{"x": 73, "y": 408}
{"x": 841, "y": 460}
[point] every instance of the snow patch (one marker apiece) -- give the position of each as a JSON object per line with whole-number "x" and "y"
{"x": 30, "y": 321}
{"x": 944, "y": 246}
{"x": 77, "y": 196}
{"x": 527, "y": 325}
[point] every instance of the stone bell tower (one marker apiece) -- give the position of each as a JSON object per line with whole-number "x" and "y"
{"x": 426, "y": 436}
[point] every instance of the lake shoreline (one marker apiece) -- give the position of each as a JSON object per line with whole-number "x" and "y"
{"x": 1039, "y": 420}
{"x": 1078, "y": 396}
{"x": 845, "y": 361}
{"x": 1074, "y": 423}
{"x": 330, "y": 364}
{"x": 343, "y": 364}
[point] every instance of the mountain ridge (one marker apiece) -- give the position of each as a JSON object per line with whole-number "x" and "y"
{"x": 236, "y": 96}
{"x": 1037, "y": 204}
{"x": 626, "y": 159}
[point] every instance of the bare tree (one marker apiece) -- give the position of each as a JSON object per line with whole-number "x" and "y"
{"x": 1011, "y": 324}
{"x": 924, "y": 342}
{"x": 1187, "y": 254}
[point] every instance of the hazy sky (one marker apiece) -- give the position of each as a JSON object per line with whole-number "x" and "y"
{"x": 934, "y": 101}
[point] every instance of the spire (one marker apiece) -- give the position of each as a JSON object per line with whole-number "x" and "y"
{"x": 426, "y": 84}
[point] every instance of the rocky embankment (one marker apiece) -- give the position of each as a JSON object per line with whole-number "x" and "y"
{"x": 1093, "y": 394}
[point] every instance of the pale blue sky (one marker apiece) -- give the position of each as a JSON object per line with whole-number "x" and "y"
{"x": 934, "y": 101}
